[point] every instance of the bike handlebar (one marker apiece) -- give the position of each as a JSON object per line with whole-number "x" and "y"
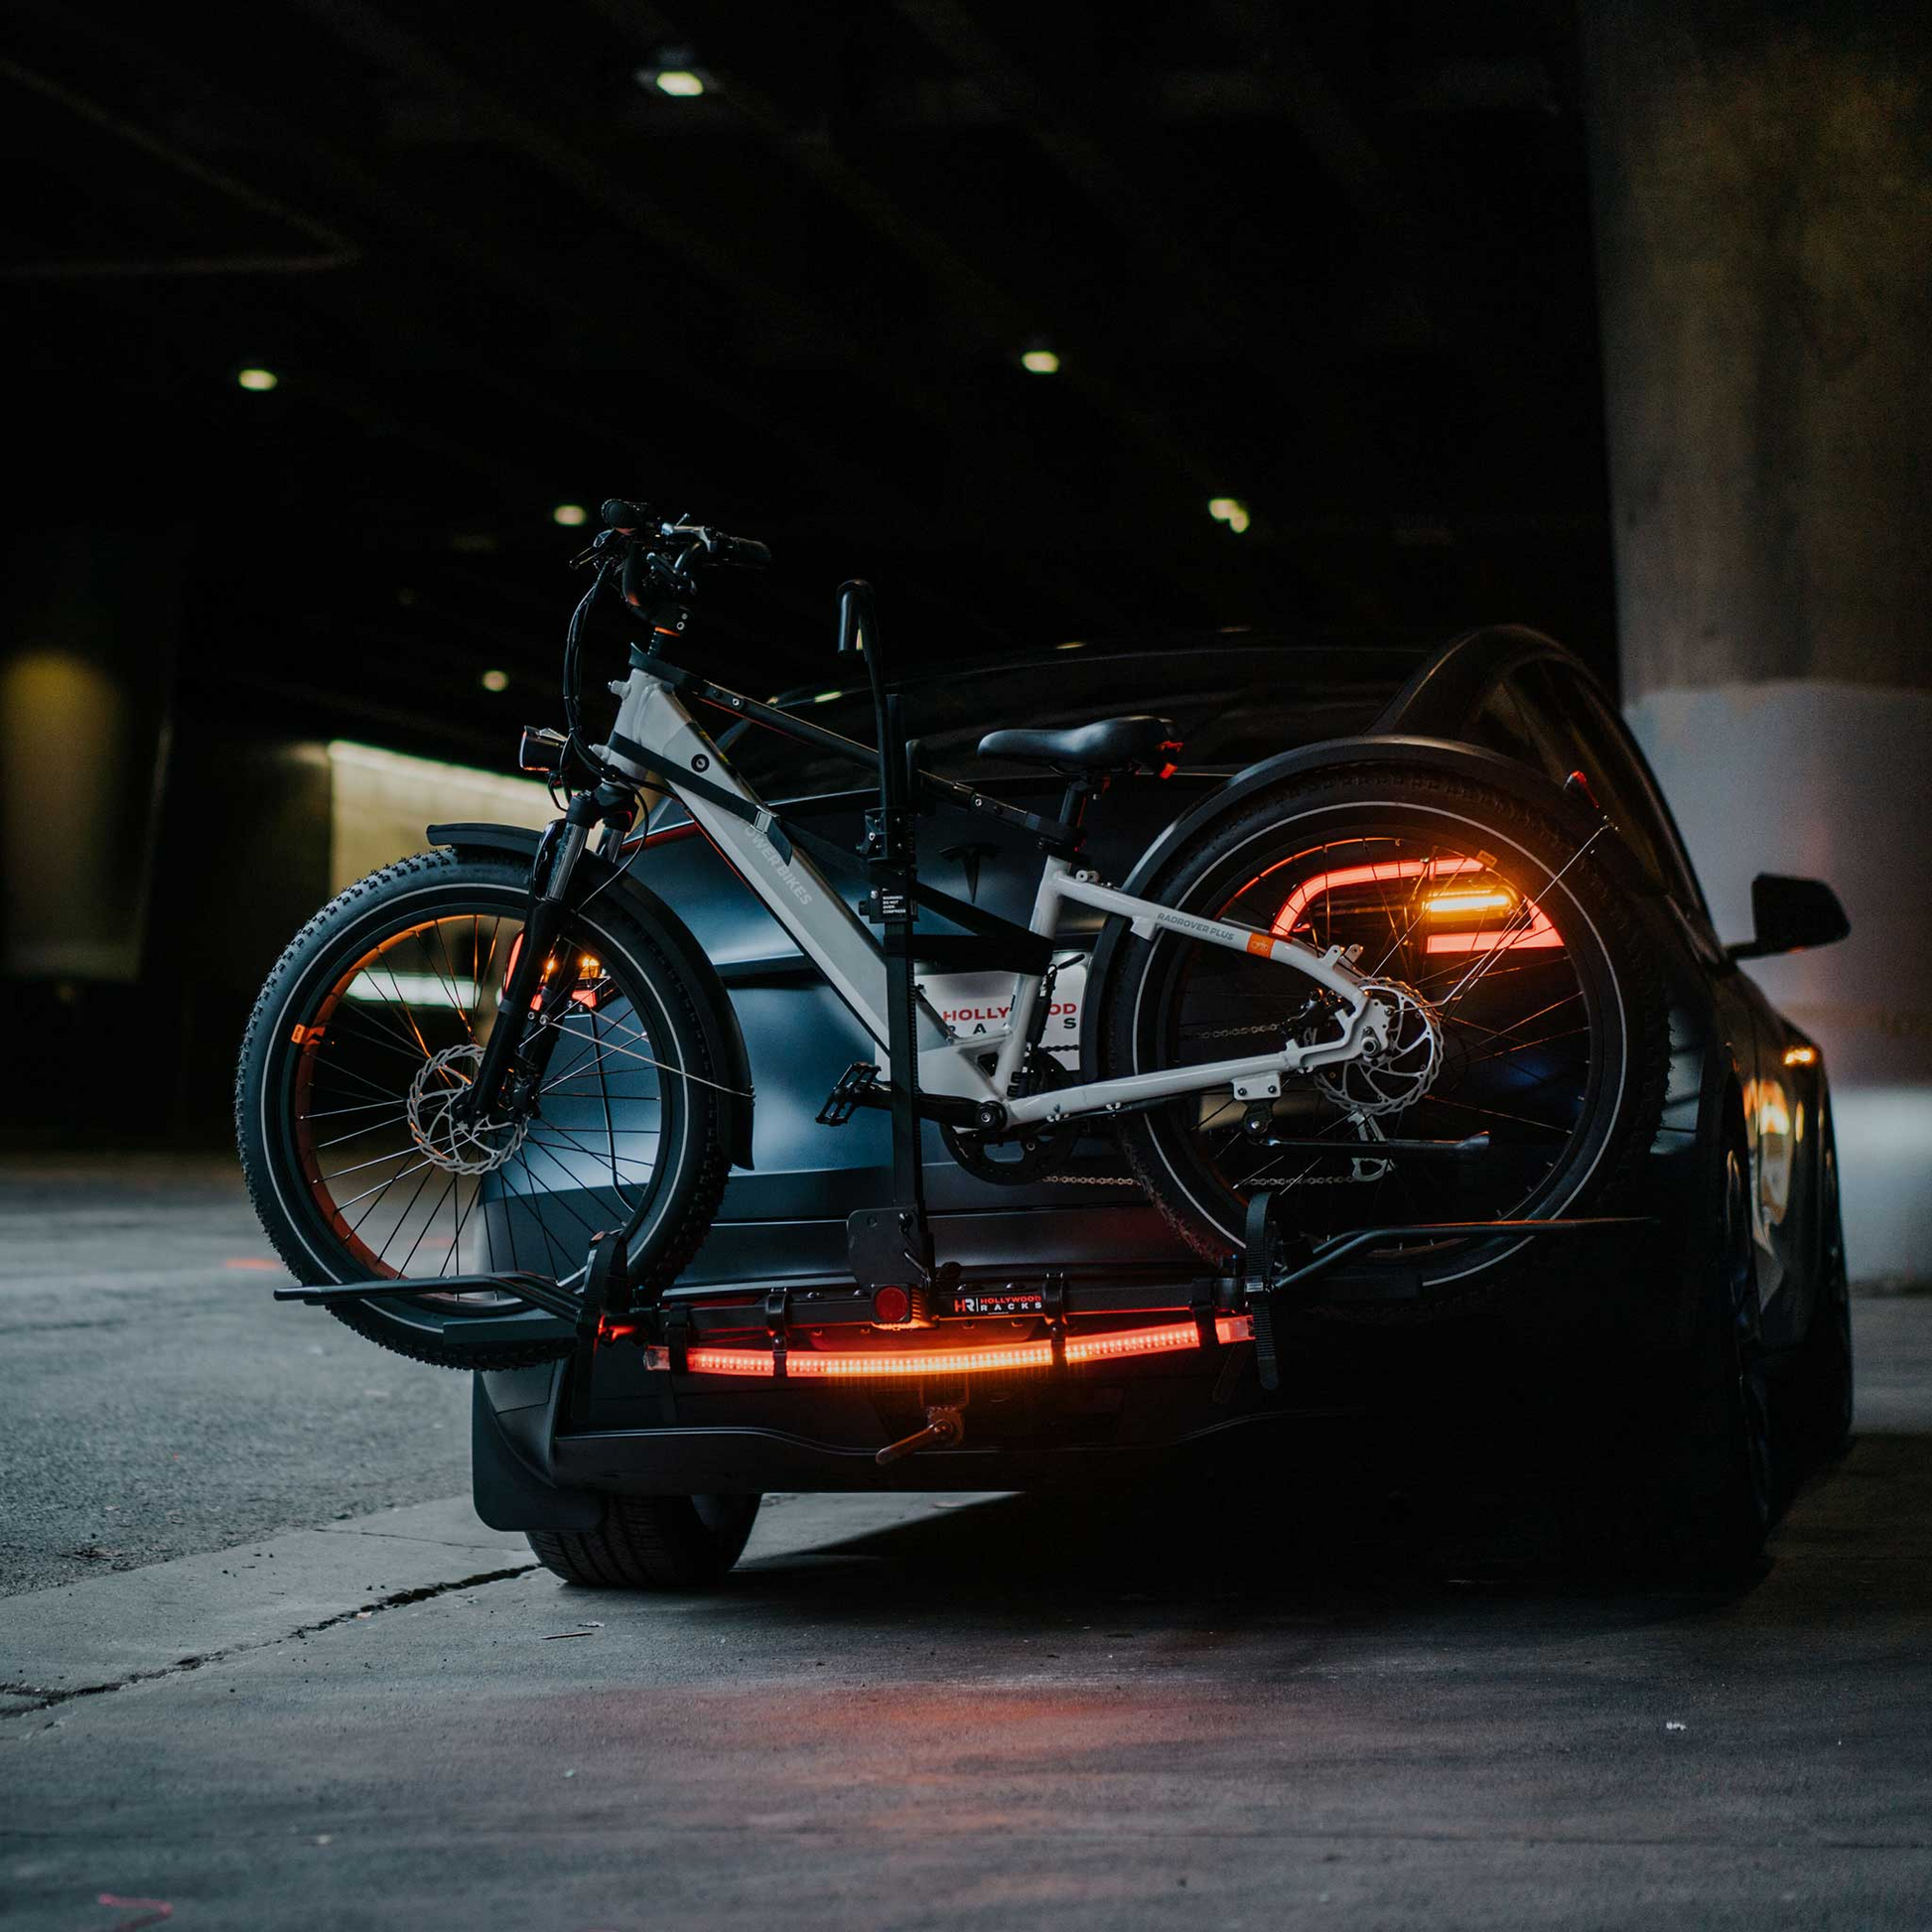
{"x": 698, "y": 542}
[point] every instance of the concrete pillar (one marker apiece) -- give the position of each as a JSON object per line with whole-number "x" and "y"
{"x": 1763, "y": 180}
{"x": 86, "y": 672}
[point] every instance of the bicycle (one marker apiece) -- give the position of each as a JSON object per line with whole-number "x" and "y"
{"x": 544, "y": 1051}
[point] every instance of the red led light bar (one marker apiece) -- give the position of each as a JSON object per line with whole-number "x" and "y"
{"x": 1514, "y": 938}
{"x": 830, "y": 1366}
{"x": 1520, "y": 939}
{"x": 1309, "y": 890}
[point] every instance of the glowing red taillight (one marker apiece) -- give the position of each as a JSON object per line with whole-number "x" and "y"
{"x": 830, "y": 1366}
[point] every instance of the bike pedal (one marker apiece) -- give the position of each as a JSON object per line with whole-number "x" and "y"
{"x": 858, "y": 1088}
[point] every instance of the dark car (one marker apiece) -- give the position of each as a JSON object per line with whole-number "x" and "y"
{"x": 651, "y": 1477}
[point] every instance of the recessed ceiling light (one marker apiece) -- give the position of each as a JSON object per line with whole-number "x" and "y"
{"x": 497, "y": 681}
{"x": 568, "y": 514}
{"x": 679, "y": 82}
{"x": 257, "y": 380}
{"x": 1231, "y": 510}
{"x": 1040, "y": 362}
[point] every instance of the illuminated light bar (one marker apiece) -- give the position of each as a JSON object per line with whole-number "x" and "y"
{"x": 1445, "y": 905}
{"x": 1299, "y": 901}
{"x": 1002, "y": 1357}
{"x": 1539, "y": 932}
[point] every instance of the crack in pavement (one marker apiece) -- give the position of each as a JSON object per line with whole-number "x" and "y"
{"x": 43, "y": 1698}
{"x": 399, "y": 1536}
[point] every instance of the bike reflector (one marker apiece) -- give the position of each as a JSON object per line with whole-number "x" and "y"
{"x": 831, "y": 1366}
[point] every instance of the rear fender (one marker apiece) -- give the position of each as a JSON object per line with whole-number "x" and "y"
{"x": 723, "y": 1036}
{"x": 1549, "y": 801}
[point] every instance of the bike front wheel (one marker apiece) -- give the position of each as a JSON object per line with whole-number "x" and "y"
{"x": 1518, "y": 948}
{"x": 367, "y": 1032}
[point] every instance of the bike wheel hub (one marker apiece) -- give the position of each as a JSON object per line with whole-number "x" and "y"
{"x": 1400, "y": 1058}
{"x": 443, "y": 1130}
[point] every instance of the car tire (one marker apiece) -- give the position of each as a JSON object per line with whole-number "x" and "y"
{"x": 663, "y": 1543}
{"x": 1823, "y": 1384}
{"x": 1694, "y": 1487}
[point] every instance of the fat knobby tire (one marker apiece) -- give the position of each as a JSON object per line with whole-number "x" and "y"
{"x": 1616, "y": 1145}
{"x": 691, "y": 1195}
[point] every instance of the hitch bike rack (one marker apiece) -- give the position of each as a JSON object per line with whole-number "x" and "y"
{"x": 890, "y": 1248}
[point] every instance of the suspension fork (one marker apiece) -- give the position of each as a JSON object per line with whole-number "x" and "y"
{"x": 552, "y": 876}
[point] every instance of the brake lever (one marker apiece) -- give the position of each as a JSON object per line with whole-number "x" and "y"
{"x": 589, "y": 554}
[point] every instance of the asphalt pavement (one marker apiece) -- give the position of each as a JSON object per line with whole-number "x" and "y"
{"x": 157, "y": 1401}
{"x": 903, "y": 1711}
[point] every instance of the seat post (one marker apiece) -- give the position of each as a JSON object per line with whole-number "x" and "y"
{"x": 1081, "y": 786}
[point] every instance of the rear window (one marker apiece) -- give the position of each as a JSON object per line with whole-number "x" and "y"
{"x": 1231, "y": 708}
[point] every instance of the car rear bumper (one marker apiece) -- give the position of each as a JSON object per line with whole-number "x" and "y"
{"x": 656, "y": 1433}
{"x": 653, "y": 1421}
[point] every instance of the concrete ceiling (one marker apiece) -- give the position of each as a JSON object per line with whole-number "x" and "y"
{"x": 1333, "y": 263}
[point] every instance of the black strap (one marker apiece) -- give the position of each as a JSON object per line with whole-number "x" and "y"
{"x": 758, "y": 817}
{"x": 997, "y": 944}
{"x": 1005, "y": 946}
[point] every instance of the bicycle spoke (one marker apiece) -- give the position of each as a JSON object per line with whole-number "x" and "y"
{"x": 429, "y": 1222}
{"x": 359, "y": 1133}
{"x": 360, "y": 1107}
{"x": 449, "y": 981}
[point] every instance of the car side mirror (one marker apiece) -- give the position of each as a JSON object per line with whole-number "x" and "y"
{"x": 1789, "y": 914}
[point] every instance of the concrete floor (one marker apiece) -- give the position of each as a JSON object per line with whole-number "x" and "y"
{"x": 157, "y": 1401}
{"x": 916, "y": 1712}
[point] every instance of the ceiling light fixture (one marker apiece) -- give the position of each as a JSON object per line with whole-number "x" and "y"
{"x": 568, "y": 514}
{"x": 259, "y": 380}
{"x": 497, "y": 681}
{"x": 680, "y": 82}
{"x": 1040, "y": 362}
{"x": 1231, "y": 510}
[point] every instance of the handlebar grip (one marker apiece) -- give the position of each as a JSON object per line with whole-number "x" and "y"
{"x": 745, "y": 552}
{"x": 619, "y": 515}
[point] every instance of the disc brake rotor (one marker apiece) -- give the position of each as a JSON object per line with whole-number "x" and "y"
{"x": 1399, "y": 1060}
{"x": 448, "y": 1137}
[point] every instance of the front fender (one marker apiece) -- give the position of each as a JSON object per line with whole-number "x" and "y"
{"x": 723, "y": 1036}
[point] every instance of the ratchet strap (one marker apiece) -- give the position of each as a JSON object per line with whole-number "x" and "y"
{"x": 761, "y": 818}
{"x": 990, "y": 945}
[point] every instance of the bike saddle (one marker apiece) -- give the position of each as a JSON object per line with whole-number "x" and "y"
{"x": 1107, "y": 745}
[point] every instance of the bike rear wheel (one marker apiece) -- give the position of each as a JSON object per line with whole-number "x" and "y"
{"x": 1552, "y": 1025}
{"x": 366, "y": 1033}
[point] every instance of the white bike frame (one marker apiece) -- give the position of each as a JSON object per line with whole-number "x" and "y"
{"x": 838, "y": 942}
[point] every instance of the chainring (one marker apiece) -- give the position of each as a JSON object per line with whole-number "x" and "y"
{"x": 1020, "y": 1154}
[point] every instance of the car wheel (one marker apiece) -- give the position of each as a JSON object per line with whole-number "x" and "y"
{"x": 653, "y": 1542}
{"x": 1694, "y": 1489}
{"x": 1825, "y": 1373}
